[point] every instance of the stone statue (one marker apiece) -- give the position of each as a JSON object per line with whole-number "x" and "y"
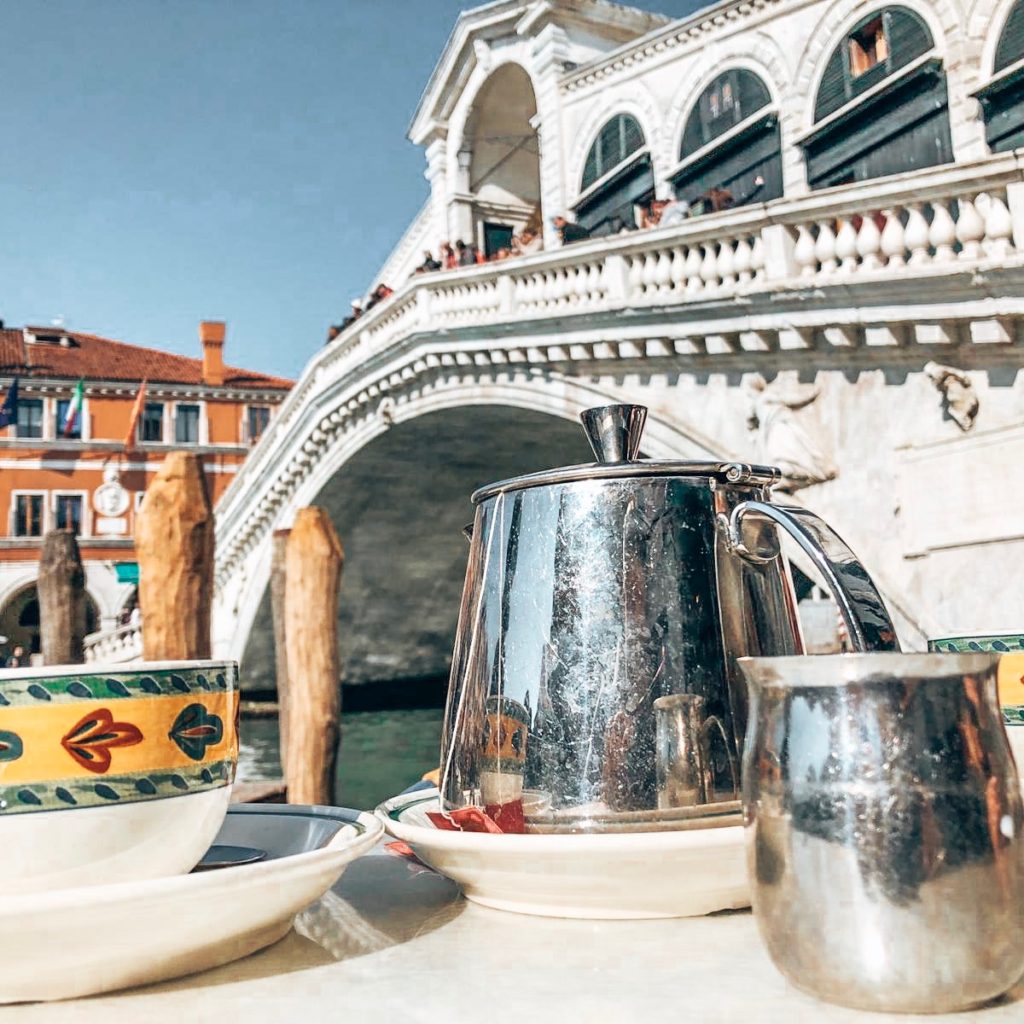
{"x": 785, "y": 439}
{"x": 959, "y": 400}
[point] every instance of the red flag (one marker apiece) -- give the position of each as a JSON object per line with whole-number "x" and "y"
{"x": 133, "y": 422}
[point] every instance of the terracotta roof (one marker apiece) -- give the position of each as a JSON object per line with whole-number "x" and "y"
{"x": 96, "y": 358}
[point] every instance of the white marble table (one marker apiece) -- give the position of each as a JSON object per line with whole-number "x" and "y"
{"x": 395, "y": 943}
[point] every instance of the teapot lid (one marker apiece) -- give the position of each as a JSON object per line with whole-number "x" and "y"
{"x": 614, "y": 433}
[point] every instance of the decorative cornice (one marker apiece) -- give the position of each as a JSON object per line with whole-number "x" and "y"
{"x": 156, "y": 389}
{"x": 688, "y": 33}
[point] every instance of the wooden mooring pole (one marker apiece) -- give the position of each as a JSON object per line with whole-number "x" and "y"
{"x": 174, "y": 547}
{"x": 61, "y": 590}
{"x": 313, "y": 564}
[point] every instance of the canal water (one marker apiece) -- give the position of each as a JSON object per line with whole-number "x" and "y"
{"x": 382, "y": 752}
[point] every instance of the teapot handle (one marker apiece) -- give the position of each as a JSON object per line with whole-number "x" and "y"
{"x": 860, "y": 604}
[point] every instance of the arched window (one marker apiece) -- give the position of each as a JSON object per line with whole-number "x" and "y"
{"x": 881, "y": 106}
{"x": 617, "y": 177}
{"x": 1002, "y": 100}
{"x": 731, "y": 150}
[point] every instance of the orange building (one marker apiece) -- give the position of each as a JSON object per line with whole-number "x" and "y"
{"x": 84, "y": 475}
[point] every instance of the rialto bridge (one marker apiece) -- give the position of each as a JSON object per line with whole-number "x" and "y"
{"x": 881, "y": 371}
{"x": 855, "y": 313}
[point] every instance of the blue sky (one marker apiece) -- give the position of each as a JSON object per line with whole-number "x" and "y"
{"x": 168, "y": 161}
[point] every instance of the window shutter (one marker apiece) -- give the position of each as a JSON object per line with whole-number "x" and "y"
{"x": 632, "y": 135}
{"x": 618, "y": 138}
{"x": 752, "y": 92}
{"x": 749, "y": 93}
{"x": 832, "y": 91}
{"x": 1010, "y": 47}
{"x": 908, "y": 37}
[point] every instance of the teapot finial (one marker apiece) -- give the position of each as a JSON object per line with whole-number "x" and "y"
{"x": 614, "y": 431}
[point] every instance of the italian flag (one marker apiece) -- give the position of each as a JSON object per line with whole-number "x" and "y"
{"x": 74, "y": 407}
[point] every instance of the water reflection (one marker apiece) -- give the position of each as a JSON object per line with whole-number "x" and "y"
{"x": 382, "y": 752}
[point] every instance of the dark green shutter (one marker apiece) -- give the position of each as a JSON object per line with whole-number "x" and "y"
{"x": 617, "y": 138}
{"x": 1010, "y": 48}
{"x": 750, "y": 94}
{"x": 908, "y": 38}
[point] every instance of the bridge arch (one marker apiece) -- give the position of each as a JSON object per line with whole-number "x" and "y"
{"x": 519, "y": 407}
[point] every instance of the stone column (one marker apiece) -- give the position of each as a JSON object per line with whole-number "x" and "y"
{"x": 549, "y": 51}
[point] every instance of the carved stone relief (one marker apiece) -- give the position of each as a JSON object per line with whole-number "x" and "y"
{"x": 786, "y": 435}
{"x": 959, "y": 399}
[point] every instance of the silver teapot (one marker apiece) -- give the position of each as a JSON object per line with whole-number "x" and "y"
{"x": 591, "y": 592}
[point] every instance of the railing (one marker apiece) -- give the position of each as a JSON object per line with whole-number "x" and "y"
{"x": 115, "y": 646}
{"x": 941, "y": 220}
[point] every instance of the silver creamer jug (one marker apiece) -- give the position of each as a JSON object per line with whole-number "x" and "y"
{"x": 591, "y": 592}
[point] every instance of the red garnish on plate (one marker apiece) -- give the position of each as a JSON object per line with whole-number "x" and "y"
{"x": 465, "y": 819}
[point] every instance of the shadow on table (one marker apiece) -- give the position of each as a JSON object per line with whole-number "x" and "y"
{"x": 379, "y": 902}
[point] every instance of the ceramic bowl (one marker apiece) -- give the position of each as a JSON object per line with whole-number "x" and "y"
{"x": 1011, "y": 666}
{"x": 113, "y": 773}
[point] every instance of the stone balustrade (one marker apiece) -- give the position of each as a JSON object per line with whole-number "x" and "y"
{"x": 115, "y": 646}
{"x": 781, "y": 276}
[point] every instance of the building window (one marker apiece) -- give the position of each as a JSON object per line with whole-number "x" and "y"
{"x": 1002, "y": 99}
{"x": 28, "y": 515}
{"x": 151, "y": 424}
{"x": 868, "y": 47}
{"x": 186, "y": 424}
{"x": 618, "y": 139}
{"x": 609, "y": 207}
{"x": 68, "y": 512}
{"x": 62, "y": 411}
{"x": 259, "y": 417}
{"x": 881, "y": 107}
{"x": 731, "y": 150}
{"x": 30, "y": 417}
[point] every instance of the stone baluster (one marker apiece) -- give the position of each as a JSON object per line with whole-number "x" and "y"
{"x": 804, "y": 251}
{"x": 825, "y": 247}
{"x": 549, "y": 294}
{"x": 970, "y": 229}
{"x": 869, "y": 242}
{"x": 678, "y": 269}
{"x": 709, "y": 266}
{"x": 846, "y": 246}
{"x": 595, "y": 284}
{"x": 942, "y": 233}
{"x": 649, "y": 276}
{"x": 998, "y": 227}
{"x": 893, "y": 241}
{"x": 663, "y": 273}
{"x": 635, "y": 277}
{"x": 694, "y": 259}
{"x": 742, "y": 259}
{"x": 726, "y": 266}
{"x": 915, "y": 235}
{"x": 757, "y": 258}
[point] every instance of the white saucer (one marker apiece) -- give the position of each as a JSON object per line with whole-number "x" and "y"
{"x": 76, "y": 942}
{"x": 635, "y": 875}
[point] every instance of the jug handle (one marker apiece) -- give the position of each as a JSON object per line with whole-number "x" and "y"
{"x": 715, "y": 721}
{"x": 864, "y": 613}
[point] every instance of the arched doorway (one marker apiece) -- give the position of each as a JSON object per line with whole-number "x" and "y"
{"x": 499, "y": 160}
{"x": 881, "y": 106}
{"x": 20, "y": 621}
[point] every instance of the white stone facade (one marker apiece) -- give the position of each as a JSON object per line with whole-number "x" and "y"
{"x": 868, "y": 337}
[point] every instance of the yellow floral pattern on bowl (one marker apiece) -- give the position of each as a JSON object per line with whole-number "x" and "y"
{"x": 88, "y": 739}
{"x": 1011, "y": 666}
